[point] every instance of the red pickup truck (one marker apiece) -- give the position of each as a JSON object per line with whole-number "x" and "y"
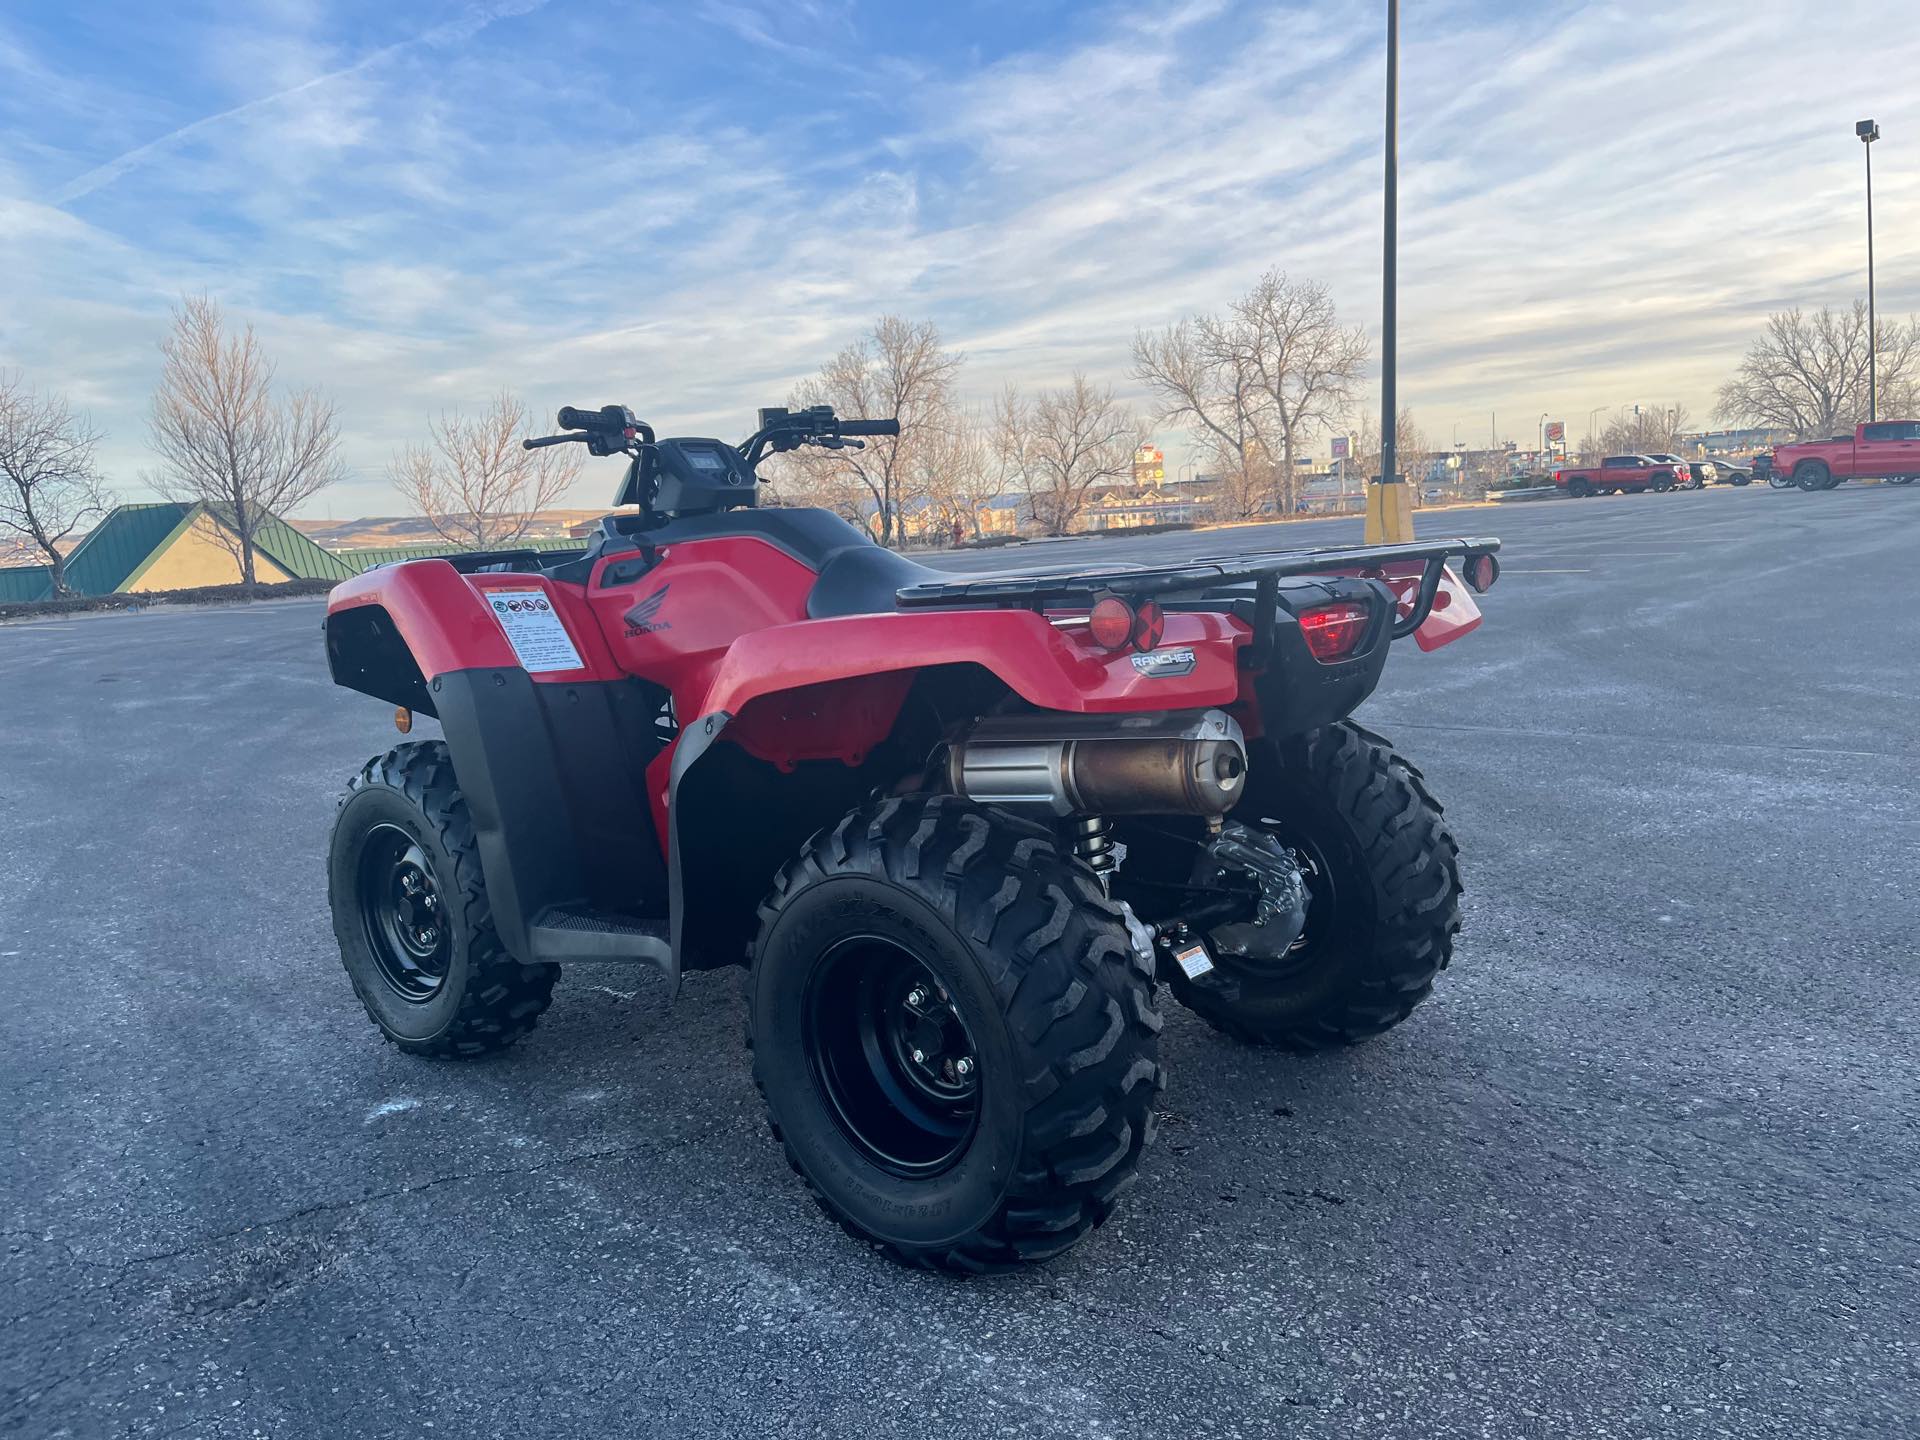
{"x": 1884, "y": 449}
{"x": 1620, "y": 472}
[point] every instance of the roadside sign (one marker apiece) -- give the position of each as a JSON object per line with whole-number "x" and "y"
{"x": 1341, "y": 445}
{"x": 1556, "y": 432}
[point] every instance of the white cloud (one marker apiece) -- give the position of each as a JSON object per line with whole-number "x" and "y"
{"x": 1598, "y": 204}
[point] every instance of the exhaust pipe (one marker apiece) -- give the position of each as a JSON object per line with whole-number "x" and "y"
{"x": 1154, "y": 764}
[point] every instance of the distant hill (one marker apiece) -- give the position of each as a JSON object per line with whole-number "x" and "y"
{"x": 379, "y": 531}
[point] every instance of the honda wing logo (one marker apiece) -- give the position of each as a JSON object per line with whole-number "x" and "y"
{"x": 1158, "y": 663}
{"x": 640, "y": 619}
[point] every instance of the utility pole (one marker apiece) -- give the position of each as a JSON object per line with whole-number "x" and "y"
{"x": 1389, "y": 515}
{"x": 1869, "y": 131}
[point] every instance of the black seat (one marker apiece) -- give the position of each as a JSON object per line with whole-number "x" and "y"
{"x": 861, "y": 580}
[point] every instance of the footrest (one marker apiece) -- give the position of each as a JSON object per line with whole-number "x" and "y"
{"x": 564, "y": 936}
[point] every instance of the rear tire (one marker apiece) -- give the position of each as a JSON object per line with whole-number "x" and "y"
{"x": 410, "y": 912}
{"x": 1579, "y": 489}
{"x": 1017, "y": 959}
{"x": 1384, "y": 898}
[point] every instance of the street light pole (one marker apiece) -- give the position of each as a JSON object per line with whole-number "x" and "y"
{"x": 1869, "y": 131}
{"x": 1391, "y": 518}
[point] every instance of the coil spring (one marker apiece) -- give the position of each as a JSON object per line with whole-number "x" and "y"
{"x": 1093, "y": 843}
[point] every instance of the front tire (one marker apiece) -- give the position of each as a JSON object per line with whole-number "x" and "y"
{"x": 410, "y": 912}
{"x": 919, "y": 934}
{"x": 1383, "y": 883}
{"x": 1811, "y": 475}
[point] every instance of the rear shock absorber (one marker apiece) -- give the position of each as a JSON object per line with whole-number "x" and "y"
{"x": 1093, "y": 843}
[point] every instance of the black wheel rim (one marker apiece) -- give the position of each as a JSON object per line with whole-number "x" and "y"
{"x": 404, "y": 914}
{"x": 891, "y": 1056}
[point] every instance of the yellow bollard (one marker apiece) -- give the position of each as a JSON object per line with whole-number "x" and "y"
{"x": 1389, "y": 513}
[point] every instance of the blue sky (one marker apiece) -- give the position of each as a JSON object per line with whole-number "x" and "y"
{"x": 685, "y": 207}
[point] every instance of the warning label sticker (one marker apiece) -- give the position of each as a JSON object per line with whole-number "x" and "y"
{"x": 536, "y": 632}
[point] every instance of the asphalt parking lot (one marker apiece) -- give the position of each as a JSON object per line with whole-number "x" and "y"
{"x": 1645, "y": 1166}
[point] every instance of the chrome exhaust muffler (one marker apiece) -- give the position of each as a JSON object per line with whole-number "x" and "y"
{"x": 1178, "y": 763}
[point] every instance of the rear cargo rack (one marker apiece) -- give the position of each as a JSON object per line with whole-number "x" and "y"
{"x": 1264, "y": 570}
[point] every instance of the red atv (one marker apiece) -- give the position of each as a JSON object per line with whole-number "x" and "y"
{"x": 956, "y": 828}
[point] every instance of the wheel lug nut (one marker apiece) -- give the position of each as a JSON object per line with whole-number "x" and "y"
{"x": 919, "y": 1057}
{"x": 963, "y": 1066}
{"x": 917, "y": 995}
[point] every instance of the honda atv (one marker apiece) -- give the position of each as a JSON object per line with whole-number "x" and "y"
{"x": 957, "y": 829}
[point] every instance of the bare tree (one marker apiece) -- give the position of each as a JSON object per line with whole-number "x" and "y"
{"x": 1202, "y": 373}
{"x": 1411, "y": 450}
{"x": 1255, "y": 383}
{"x": 955, "y": 471}
{"x": 1071, "y": 439}
{"x": 899, "y": 370}
{"x": 797, "y": 479}
{"x": 1647, "y": 430}
{"x": 227, "y": 440}
{"x": 1304, "y": 362}
{"x": 50, "y": 486}
{"x": 474, "y": 484}
{"x": 1808, "y": 374}
{"x": 1009, "y": 446}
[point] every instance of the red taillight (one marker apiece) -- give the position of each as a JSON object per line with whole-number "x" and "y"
{"x": 1149, "y": 623}
{"x": 1111, "y": 620}
{"x": 1117, "y": 624}
{"x": 1334, "y": 631}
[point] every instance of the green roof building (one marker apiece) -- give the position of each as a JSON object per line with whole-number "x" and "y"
{"x": 170, "y": 545}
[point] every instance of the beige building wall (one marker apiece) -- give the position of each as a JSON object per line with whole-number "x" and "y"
{"x": 196, "y": 557}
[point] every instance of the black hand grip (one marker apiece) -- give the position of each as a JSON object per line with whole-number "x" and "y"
{"x": 572, "y": 419}
{"x": 868, "y": 427}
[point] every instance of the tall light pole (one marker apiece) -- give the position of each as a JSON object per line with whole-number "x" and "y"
{"x": 1543, "y": 434}
{"x": 1869, "y": 131}
{"x": 1391, "y": 518}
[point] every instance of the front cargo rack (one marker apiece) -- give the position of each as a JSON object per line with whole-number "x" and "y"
{"x": 1264, "y": 570}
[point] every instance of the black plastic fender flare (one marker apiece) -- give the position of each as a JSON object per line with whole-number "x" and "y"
{"x": 695, "y": 740}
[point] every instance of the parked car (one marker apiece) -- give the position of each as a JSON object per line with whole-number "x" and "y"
{"x": 1636, "y": 473}
{"x": 1732, "y": 472}
{"x": 1699, "y": 473}
{"x": 1883, "y": 449}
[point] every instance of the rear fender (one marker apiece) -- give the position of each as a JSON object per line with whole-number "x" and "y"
{"x": 816, "y": 701}
{"x": 1049, "y": 667}
{"x": 1454, "y": 614}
